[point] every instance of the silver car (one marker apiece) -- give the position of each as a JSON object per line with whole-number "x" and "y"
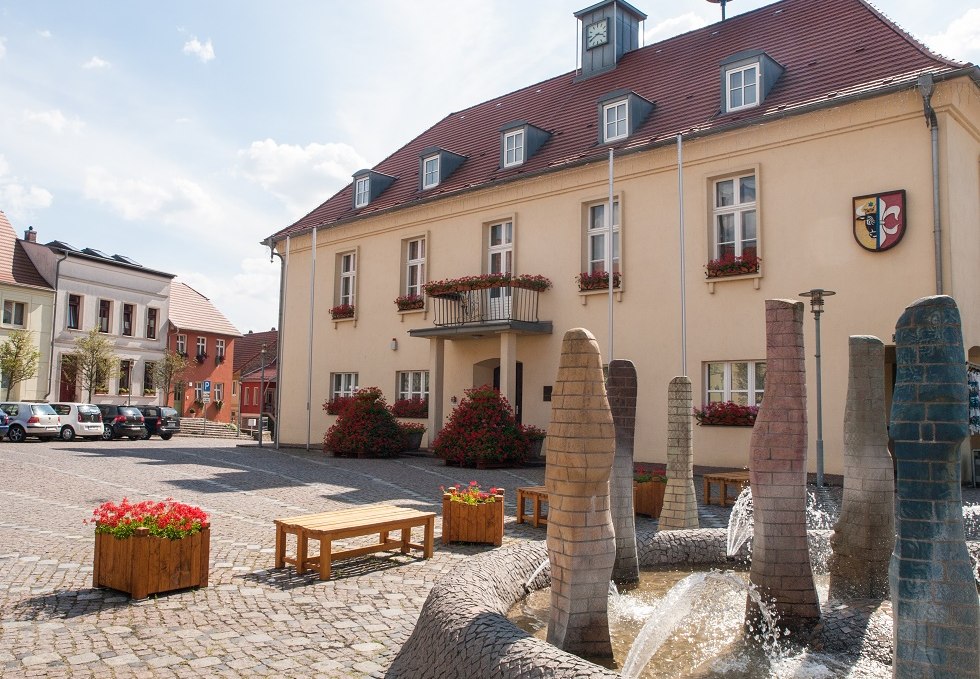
{"x": 79, "y": 419}
{"x": 31, "y": 419}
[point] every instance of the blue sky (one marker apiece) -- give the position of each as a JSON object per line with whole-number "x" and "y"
{"x": 182, "y": 133}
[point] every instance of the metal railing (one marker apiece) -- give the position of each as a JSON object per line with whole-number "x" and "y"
{"x": 490, "y": 305}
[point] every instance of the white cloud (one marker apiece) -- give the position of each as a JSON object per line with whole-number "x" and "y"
{"x": 182, "y": 121}
{"x": 301, "y": 177}
{"x": 16, "y": 198}
{"x": 45, "y": 33}
{"x": 172, "y": 201}
{"x": 3, "y": 47}
{"x": 96, "y": 62}
{"x": 673, "y": 26}
{"x": 54, "y": 119}
{"x": 252, "y": 293}
{"x": 204, "y": 52}
{"x": 960, "y": 40}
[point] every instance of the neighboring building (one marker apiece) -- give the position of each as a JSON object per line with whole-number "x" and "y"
{"x": 114, "y": 293}
{"x": 255, "y": 376}
{"x": 801, "y": 134}
{"x": 27, "y": 303}
{"x": 207, "y": 339}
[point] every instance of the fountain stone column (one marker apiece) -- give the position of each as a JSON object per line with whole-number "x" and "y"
{"x": 934, "y": 595}
{"x": 680, "y": 503}
{"x": 581, "y": 542}
{"x": 865, "y": 532}
{"x": 781, "y": 568}
{"x": 621, "y": 389}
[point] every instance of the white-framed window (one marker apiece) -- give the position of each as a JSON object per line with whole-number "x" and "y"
{"x": 413, "y": 384}
{"x": 14, "y": 312}
{"x": 342, "y": 384}
{"x": 151, "y": 323}
{"x": 105, "y": 315}
{"x": 128, "y": 314}
{"x": 735, "y": 231}
{"x": 743, "y": 382}
{"x": 414, "y": 266}
{"x": 513, "y": 148}
{"x": 615, "y": 120}
{"x": 430, "y": 172}
{"x": 245, "y": 401}
{"x": 598, "y": 237}
{"x": 74, "y": 318}
{"x": 362, "y": 191}
{"x": 218, "y": 391}
{"x": 181, "y": 344}
{"x": 219, "y": 348}
{"x": 348, "y": 278}
{"x": 742, "y": 87}
{"x": 500, "y": 247}
{"x": 199, "y": 391}
{"x": 202, "y": 346}
{"x": 234, "y": 388}
{"x": 125, "y": 376}
{"x": 149, "y": 369}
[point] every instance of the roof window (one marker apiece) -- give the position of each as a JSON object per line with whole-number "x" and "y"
{"x": 746, "y": 79}
{"x": 436, "y": 164}
{"x": 368, "y": 185}
{"x": 519, "y": 141}
{"x": 621, "y": 113}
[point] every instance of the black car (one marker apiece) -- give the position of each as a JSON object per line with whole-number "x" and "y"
{"x": 122, "y": 421}
{"x": 160, "y": 420}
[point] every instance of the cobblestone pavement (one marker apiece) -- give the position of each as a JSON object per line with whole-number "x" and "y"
{"x": 252, "y": 620}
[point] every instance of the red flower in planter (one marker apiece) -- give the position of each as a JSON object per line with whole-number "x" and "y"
{"x": 726, "y": 413}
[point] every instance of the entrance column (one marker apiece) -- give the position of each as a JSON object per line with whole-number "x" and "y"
{"x": 437, "y": 362}
{"x": 508, "y": 367}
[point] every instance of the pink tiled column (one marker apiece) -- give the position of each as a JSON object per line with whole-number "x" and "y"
{"x": 680, "y": 504}
{"x": 781, "y": 568}
{"x": 581, "y": 543}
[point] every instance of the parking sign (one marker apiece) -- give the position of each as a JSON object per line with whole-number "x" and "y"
{"x": 207, "y": 386}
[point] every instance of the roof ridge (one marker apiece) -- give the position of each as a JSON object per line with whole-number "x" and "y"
{"x": 907, "y": 36}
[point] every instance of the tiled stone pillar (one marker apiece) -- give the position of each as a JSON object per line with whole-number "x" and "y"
{"x": 621, "y": 388}
{"x": 680, "y": 504}
{"x": 865, "y": 532}
{"x": 934, "y": 595}
{"x": 781, "y": 568}
{"x": 581, "y": 544}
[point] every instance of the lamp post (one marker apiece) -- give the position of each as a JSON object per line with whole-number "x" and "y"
{"x": 816, "y": 296}
{"x": 261, "y": 393}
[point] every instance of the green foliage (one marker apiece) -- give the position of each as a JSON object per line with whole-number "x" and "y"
{"x": 168, "y": 370}
{"x": 482, "y": 430}
{"x": 93, "y": 361}
{"x": 19, "y": 357}
{"x": 365, "y": 425}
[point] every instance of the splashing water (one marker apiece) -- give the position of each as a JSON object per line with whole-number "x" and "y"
{"x": 971, "y": 521}
{"x": 529, "y": 585}
{"x": 740, "y": 522}
{"x": 613, "y": 590}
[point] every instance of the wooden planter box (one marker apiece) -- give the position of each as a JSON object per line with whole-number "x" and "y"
{"x": 648, "y": 498}
{"x": 473, "y": 523}
{"x": 143, "y": 564}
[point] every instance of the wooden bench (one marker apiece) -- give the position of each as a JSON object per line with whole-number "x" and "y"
{"x": 349, "y": 523}
{"x": 537, "y": 495}
{"x": 724, "y": 480}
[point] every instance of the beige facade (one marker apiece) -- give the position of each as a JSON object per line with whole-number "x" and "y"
{"x": 38, "y": 310}
{"x": 808, "y": 167}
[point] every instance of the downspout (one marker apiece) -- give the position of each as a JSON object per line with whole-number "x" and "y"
{"x": 926, "y": 86}
{"x": 54, "y": 320}
{"x": 309, "y": 359}
{"x": 282, "y": 312}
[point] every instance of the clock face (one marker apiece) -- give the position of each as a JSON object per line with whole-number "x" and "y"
{"x": 597, "y": 34}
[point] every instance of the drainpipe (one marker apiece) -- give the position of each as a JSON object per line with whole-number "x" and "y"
{"x": 926, "y": 86}
{"x": 282, "y": 313}
{"x": 54, "y": 320}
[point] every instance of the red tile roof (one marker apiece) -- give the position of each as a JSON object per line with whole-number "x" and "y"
{"x": 831, "y": 50}
{"x": 190, "y": 310}
{"x": 16, "y": 267}
{"x": 248, "y": 349}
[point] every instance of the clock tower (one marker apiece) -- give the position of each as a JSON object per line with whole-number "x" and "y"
{"x": 610, "y": 29}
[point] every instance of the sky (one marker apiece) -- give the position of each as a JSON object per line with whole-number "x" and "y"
{"x": 183, "y": 133}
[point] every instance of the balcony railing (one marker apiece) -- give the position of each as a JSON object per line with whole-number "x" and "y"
{"x": 502, "y": 304}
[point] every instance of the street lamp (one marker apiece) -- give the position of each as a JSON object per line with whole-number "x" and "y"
{"x": 816, "y": 306}
{"x": 261, "y": 393}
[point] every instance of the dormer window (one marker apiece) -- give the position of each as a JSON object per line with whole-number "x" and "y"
{"x": 616, "y": 121}
{"x": 362, "y": 191}
{"x": 514, "y": 148}
{"x": 368, "y": 185}
{"x": 746, "y": 79}
{"x": 621, "y": 114}
{"x": 430, "y": 172}
{"x": 520, "y": 140}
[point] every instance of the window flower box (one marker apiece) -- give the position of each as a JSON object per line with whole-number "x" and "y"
{"x": 410, "y": 407}
{"x": 598, "y": 280}
{"x": 149, "y": 392}
{"x": 451, "y": 286}
{"x": 410, "y": 302}
{"x": 202, "y": 357}
{"x": 473, "y": 515}
{"x": 730, "y": 265}
{"x": 123, "y": 391}
{"x": 649, "y": 485}
{"x": 726, "y": 413}
{"x": 412, "y": 432}
{"x": 342, "y": 311}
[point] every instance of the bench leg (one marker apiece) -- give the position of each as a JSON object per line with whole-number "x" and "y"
{"x": 301, "y": 547}
{"x": 430, "y": 529}
{"x": 520, "y": 507}
{"x": 384, "y": 537}
{"x": 536, "y": 518}
{"x": 707, "y": 491}
{"x": 406, "y": 538}
{"x": 325, "y": 557}
{"x": 280, "y": 547}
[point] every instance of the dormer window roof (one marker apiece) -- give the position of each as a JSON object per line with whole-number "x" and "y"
{"x": 746, "y": 79}
{"x": 435, "y": 166}
{"x": 368, "y": 185}
{"x": 621, "y": 113}
{"x": 519, "y": 141}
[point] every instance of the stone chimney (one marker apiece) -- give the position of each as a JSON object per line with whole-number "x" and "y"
{"x": 30, "y": 235}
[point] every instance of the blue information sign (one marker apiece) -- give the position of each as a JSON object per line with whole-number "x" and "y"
{"x": 207, "y": 386}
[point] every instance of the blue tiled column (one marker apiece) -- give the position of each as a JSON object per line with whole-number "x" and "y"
{"x": 934, "y": 594}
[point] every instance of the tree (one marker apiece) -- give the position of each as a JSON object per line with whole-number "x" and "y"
{"x": 19, "y": 358}
{"x": 168, "y": 371}
{"x": 93, "y": 360}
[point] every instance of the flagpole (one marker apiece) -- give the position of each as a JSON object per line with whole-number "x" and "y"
{"x": 609, "y": 257}
{"x": 680, "y": 206}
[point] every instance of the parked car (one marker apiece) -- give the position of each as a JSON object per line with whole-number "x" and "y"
{"x": 122, "y": 421}
{"x": 79, "y": 419}
{"x": 160, "y": 420}
{"x": 31, "y": 419}
{"x": 4, "y": 423}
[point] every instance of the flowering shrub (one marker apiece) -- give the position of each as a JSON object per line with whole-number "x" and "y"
{"x": 482, "y": 430}
{"x": 598, "y": 280}
{"x": 167, "y": 519}
{"x": 472, "y": 494}
{"x": 730, "y": 265}
{"x": 410, "y": 407}
{"x": 651, "y": 472}
{"x": 409, "y": 302}
{"x": 337, "y": 405}
{"x": 412, "y": 427}
{"x": 342, "y": 311}
{"x": 487, "y": 280}
{"x": 726, "y": 413}
{"x": 202, "y": 357}
{"x": 365, "y": 425}
{"x": 533, "y": 433}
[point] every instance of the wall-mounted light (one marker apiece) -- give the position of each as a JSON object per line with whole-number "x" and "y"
{"x": 394, "y": 344}
{"x": 453, "y": 400}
